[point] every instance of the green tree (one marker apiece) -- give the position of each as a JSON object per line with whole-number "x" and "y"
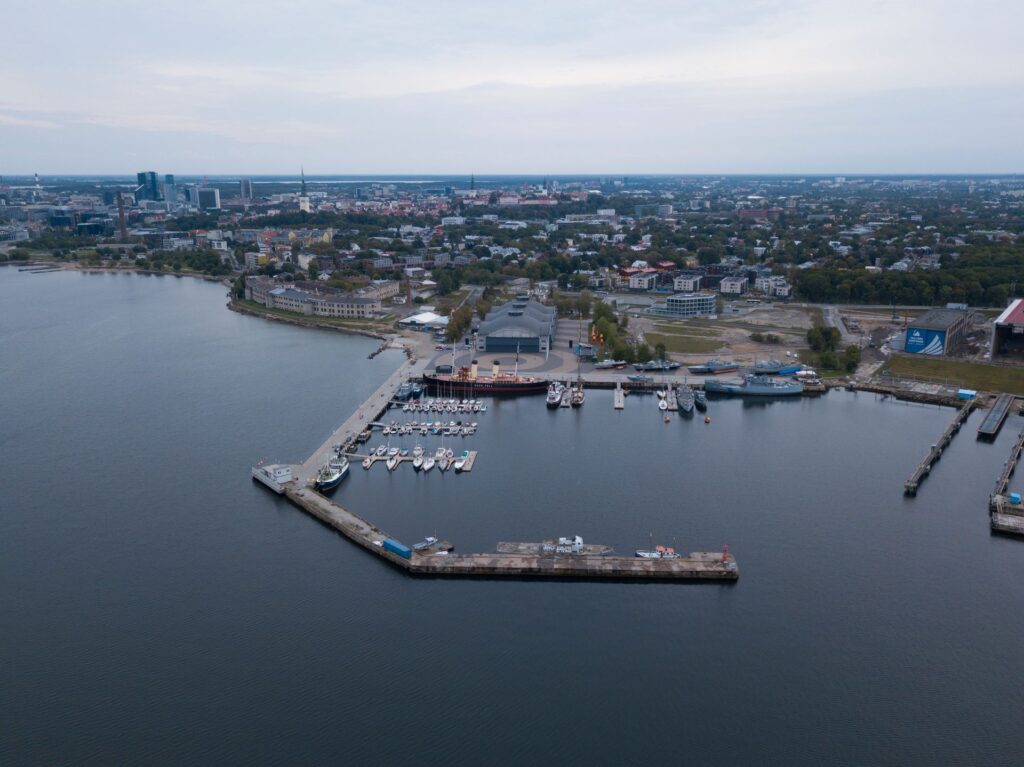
{"x": 660, "y": 350}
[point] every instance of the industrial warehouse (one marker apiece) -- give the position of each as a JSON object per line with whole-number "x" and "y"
{"x": 937, "y": 332}
{"x": 1008, "y": 333}
{"x": 521, "y": 325}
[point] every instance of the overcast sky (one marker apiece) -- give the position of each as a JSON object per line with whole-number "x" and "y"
{"x": 438, "y": 86}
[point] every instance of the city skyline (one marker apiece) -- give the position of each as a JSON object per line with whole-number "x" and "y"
{"x": 666, "y": 88}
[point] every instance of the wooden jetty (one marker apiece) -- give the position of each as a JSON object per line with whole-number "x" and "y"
{"x": 1003, "y": 483}
{"x": 618, "y": 397}
{"x": 698, "y": 566}
{"x": 670, "y": 398}
{"x": 924, "y": 468}
{"x": 995, "y": 417}
{"x": 374, "y": 459}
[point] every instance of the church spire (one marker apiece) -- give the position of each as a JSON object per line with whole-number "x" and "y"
{"x": 303, "y": 172}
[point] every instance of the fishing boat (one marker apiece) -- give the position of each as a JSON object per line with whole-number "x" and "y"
{"x": 714, "y": 367}
{"x": 658, "y": 552}
{"x": 330, "y": 476}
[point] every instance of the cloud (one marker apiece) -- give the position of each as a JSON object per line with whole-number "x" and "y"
{"x": 522, "y": 85}
{"x": 7, "y": 119}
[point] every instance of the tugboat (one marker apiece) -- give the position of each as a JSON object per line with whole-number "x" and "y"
{"x": 330, "y": 476}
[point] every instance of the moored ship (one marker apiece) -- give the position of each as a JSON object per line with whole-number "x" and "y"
{"x": 768, "y": 367}
{"x": 467, "y": 380}
{"x": 714, "y": 367}
{"x": 554, "y": 398}
{"x": 755, "y": 386}
{"x": 331, "y": 475}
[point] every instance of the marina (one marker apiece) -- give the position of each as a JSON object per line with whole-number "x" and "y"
{"x": 556, "y": 558}
{"x": 924, "y": 468}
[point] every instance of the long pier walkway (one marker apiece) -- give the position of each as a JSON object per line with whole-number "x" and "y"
{"x": 989, "y": 428}
{"x": 698, "y": 566}
{"x": 366, "y": 414}
{"x": 925, "y": 467}
{"x": 1003, "y": 483}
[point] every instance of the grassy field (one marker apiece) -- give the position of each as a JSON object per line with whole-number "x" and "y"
{"x": 680, "y": 344}
{"x": 686, "y": 328}
{"x": 971, "y": 375}
{"x": 446, "y": 303}
{"x": 809, "y": 357}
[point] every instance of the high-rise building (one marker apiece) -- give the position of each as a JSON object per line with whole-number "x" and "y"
{"x": 148, "y": 189}
{"x": 170, "y": 189}
{"x": 209, "y": 199}
{"x": 245, "y": 189}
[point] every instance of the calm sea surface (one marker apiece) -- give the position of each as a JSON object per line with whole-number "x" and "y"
{"x": 157, "y": 606}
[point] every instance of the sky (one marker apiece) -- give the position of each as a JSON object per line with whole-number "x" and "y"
{"x": 522, "y": 86}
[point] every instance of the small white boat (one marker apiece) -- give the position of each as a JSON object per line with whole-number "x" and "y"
{"x": 392, "y": 463}
{"x": 449, "y": 454}
{"x": 442, "y": 464}
{"x": 367, "y": 463}
{"x": 663, "y": 405}
{"x": 439, "y": 454}
{"x": 417, "y": 451}
{"x": 460, "y": 462}
{"x": 428, "y": 464}
{"x": 392, "y": 452}
{"x": 382, "y": 450}
{"x": 417, "y": 462}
